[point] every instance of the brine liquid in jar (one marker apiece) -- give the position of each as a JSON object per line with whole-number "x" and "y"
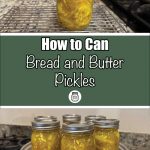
{"x": 77, "y": 137}
{"x": 71, "y": 118}
{"x": 45, "y": 135}
{"x": 106, "y": 134}
{"x": 74, "y": 14}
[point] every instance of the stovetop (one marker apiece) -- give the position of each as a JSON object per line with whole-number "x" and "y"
{"x": 135, "y": 13}
{"x": 13, "y": 142}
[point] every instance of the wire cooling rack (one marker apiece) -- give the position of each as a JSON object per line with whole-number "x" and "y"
{"x": 40, "y": 16}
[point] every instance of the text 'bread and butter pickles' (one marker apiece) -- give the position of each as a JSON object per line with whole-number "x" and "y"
{"x": 93, "y": 61}
{"x": 89, "y": 44}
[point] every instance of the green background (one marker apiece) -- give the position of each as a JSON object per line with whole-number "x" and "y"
{"x": 128, "y": 86}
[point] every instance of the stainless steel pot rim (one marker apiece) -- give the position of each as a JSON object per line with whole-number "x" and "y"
{"x": 28, "y": 146}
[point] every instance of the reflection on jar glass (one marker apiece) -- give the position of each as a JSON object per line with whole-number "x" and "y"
{"x": 74, "y": 14}
{"x": 77, "y": 137}
{"x": 106, "y": 134}
{"x": 45, "y": 135}
{"x": 71, "y": 118}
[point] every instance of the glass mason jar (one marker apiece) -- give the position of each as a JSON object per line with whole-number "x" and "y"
{"x": 106, "y": 134}
{"x": 77, "y": 137}
{"x": 74, "y": 14}
{"x": 42, "y": 118}
{"x": 45, "y": 135}
{"x": 92, "y": 118}
{"x": 71, "y": 118}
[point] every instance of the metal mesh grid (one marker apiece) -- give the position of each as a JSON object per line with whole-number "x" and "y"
{"x": 40, "y": 16}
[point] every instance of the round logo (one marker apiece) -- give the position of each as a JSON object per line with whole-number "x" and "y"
{"x": 74, "y": 96}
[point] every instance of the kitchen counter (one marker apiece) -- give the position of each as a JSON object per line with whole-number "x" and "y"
{"x": 133, "y": 141}
{"x": 40, "y": 16}
{"x": 136, "y": 141}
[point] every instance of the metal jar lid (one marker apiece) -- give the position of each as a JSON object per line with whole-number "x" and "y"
{"x": 71, "y": 118}
{"x": 78, "y": 128}
{"x": 107, "y": 123}
{"x": 92, "y": 118}
{"x": 41, "y": 118}
{"x": 45, "y": 125}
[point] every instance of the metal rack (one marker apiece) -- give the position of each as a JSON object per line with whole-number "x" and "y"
{"x": 41, "y": 16}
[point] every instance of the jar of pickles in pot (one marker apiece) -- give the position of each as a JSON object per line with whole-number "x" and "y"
{"x": 42, "y": 118}
{"x": 45, "y": 135}
{"x": 92, "y": 118}
{"x": 71, "y": 118}
{"x": 77, "y": 137}
{"x": 74, "y": 14}
{"x": 106, "y": 134}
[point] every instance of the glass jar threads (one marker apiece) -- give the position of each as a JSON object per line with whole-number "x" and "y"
{"x": 106, "y": 134}
{"x": 77, "y": 137}
{"x": 42, "y": 118}
{"x": 45, "y": 135}
{"x": 92, "y": 118}
{"x": 71, "y": 118}
{"x": 74, "y": 14}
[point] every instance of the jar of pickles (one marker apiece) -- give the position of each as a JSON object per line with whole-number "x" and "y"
{"x": 74, "y": 14}
{"x": 77, "y": 137}
{"x": 92, "y": 118}
{"x": 45, "y": 135}
{"x": 41, "y": 118}
{"x": 71, "y": 118}
{"x": 106, "y": 134}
